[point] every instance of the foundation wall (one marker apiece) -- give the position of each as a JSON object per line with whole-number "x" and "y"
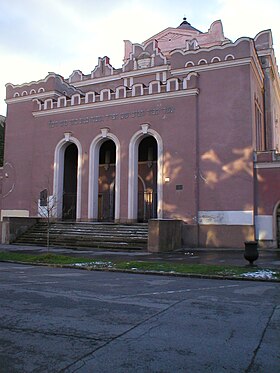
{"x": 11, "y": 228}
{"x": 213, "y": 236}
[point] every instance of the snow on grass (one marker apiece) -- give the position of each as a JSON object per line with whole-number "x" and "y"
{"x": 266, "y": 274}
{"x": 99, "y": 264}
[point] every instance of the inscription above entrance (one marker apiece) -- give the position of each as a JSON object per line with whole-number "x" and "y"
{"x": 112, "y": 117}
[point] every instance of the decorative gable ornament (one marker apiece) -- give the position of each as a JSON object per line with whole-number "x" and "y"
{"x": 144, "y": 61}
{"x": 142, "y": 56}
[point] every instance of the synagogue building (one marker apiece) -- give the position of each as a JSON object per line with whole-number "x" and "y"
{"x": 186, "y": 129}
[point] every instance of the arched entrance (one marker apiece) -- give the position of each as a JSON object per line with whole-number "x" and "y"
{"x": 67, "y": 164}
{"x": 106, "y": 181}
{"x": 69, "y": 201}
{"x": 145, "y": 158}
{"x": 147, "y": 179}
{"x": 105, "y": 168}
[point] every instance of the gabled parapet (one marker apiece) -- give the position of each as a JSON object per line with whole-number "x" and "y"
{"x": 263, "y": 40}
{"x": 142, "y": 56}
{"x": 188, "y": 38}
{"x": 264, "y": 47}
{"x": 104, "y": 68}
{"x": 76, "y": 76}
{"x": 52, "y": 85}
{"x": 214, "y": 36}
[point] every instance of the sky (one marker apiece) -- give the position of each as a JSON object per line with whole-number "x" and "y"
{"x": 38, "y": 37}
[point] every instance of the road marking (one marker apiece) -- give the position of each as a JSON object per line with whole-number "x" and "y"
{"x": 181, "y": 291}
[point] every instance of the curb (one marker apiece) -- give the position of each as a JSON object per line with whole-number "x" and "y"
{"x": 142, "y": 272}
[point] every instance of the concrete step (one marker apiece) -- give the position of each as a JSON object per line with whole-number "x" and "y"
{"x": 98, "y": 235}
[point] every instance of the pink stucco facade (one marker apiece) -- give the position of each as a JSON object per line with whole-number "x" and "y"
{"x": 186, "y": 129}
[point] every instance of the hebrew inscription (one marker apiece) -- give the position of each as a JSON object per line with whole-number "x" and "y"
{"x": 111, "y": 117}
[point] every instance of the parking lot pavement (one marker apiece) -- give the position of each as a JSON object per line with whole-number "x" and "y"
{"x": 64, "y": 320}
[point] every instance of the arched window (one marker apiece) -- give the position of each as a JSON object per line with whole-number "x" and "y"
{"x": 76, "y": 99}
{"x": 138, "y": 89}
{"x": 105, "y": 94}
{"x": 90, "y": 97}
{"x": 215, "y": 59}
{"x": 121, "y": 92}
{"x": 229, "y": 57}
{"x": 202, "y": 62}
{"x": 154, "y": 87}
{"x": 172, "y": 85}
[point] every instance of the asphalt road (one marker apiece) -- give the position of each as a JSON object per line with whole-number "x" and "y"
{"x": 64, "y": 320}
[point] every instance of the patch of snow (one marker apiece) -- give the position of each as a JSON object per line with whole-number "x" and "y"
{"x": 99, "y": 264}
{"x": 262, "y": 274}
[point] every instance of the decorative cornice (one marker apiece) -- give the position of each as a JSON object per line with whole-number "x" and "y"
{"x": 212, "y": 66}
{"x": 44, "y": 80}
{"x": 38, "y": 96}
{"x": 125, "y": 101}
{"x": 223, "y": 65}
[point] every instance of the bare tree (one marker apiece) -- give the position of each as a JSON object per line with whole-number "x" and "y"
{"x": 47, "y": 208}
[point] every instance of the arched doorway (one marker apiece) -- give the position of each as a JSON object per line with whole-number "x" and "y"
{"x": 95, "y": 164}
{"x": 106, "y": 181}
{"x": 58, "y": 183}
{"x": 69, "y": 198}
{"x": 278, "y": 225}
{"x": 133, "y": 171}
{"x": 147, "y": 179}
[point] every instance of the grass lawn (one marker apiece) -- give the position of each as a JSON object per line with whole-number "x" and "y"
{"x": 136, "y": 266}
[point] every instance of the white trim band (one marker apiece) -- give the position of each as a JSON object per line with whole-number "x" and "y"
{"x": 226, "y": 217}
{"x": 14, "y": 213}
{"x": 268, "y": 165}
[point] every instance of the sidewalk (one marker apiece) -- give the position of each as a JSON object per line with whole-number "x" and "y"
{"x": 267, "y": 258}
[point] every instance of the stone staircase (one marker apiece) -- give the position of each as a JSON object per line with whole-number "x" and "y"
{"x": 87, "y": 235}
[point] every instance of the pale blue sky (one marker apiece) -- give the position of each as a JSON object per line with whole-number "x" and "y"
{"x": 37, "y": 37}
